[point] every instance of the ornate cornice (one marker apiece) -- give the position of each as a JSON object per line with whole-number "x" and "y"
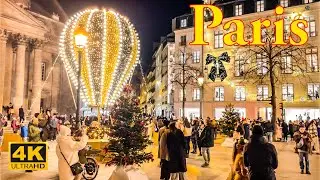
{"x": 20, "y": 39}
{"x": 35, "y": 44}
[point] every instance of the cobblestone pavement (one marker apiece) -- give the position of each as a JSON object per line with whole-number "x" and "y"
{"x": 218, "y": 170}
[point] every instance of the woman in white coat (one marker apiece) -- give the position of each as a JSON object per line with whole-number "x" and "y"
{"x": 69, "y": 148}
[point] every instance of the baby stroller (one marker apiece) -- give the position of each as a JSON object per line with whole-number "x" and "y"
{"x": 91, "y": 166}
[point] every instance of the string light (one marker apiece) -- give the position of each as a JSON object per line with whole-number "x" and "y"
{"x": 109, "y": 58}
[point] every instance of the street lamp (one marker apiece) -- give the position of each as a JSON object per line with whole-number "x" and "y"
{"x": 200, "y": 82}
{"x": 81, "y": 39}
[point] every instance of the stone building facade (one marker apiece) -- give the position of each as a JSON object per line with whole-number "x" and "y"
{"x": 31, "y": 73}
{"x": 298, "y": 97}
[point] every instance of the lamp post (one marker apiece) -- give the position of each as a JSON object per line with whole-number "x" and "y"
{"x": 200, "y": 82}
{"x": 80, "y": 38}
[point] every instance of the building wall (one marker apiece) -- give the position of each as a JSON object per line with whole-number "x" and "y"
{"x": 251, "y": 107}
{"x": 40, "y": 36}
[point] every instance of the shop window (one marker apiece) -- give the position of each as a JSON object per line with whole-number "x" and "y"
{"x": 239, "y": 66}
{"x": 262, "y": 65}
{"x": 183, "y": 23}
{"x": 312, "y": 59}
{"x": 196, "y": 94}
{"x": 238, "y": 11}
{"x": 313, "y": 91}
{"x": 196, "y": 57}
{"x": 287, "y": 92}
{"x": 284, "y": 3}
{"x": 260, "y": 5}
{"x": 218, "y": 39}
{"x": 263, "y": 93}
{"x": 286, "y": 63}
{"x": 240, "y": 93}
{"x": 219, "y": 94}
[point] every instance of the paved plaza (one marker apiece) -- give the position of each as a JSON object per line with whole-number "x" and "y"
{"x": 218, "y": 170}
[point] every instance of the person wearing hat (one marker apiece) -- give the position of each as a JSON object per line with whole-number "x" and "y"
{"x": 260, "y": 156}
{"x": 239, "y": 171}
{"x": 34, "y": 130}
{"x": 303, "y": 144}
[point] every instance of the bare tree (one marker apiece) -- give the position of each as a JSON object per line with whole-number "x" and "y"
{"x": 270, "y": 63}
{"x": 184, "y": 73}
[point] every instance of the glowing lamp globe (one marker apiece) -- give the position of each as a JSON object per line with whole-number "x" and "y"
{"x": 80, "y": 37}
{"x": 110, "y": 51}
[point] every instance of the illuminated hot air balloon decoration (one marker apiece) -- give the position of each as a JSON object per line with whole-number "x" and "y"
{"x": 108, "y": 59}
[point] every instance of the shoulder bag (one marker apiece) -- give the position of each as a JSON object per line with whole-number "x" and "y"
{"x": 75, "y": 168}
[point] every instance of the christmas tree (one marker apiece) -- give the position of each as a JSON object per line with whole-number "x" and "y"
{"x": 229, "y": 120}
{"x": 127, "y": 142}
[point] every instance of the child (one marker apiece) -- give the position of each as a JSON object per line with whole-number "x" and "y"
{"x": 24, "y": 132}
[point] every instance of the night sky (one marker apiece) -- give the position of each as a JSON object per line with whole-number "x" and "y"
{"x": 152, "y": 18}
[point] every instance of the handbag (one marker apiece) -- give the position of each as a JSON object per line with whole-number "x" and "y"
{"x": 75, "y": 168}
{"x": 300, "y": 144}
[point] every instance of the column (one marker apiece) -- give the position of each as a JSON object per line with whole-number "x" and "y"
{"x": 19, "y": 76}
{"x": 3, "y": 45}
{"x": 36, "y": 78}
{"x": 8, "y": 75}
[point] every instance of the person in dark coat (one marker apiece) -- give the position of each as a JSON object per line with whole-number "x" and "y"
{"x": 303, "y": 144}
{"x": 285, "y": 131}
{"x": 21, "y": 114}
{"x": 206, "y": 139}
{"x": 176, "y": 150}
{"x": 194, "y": 135}
{"x": 260, "y": 157}
{"x": 269, "y": 128}
{"x": 246, "y": 128}
{"x": 291, "y": 129}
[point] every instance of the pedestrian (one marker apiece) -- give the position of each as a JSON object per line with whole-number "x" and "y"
{"x": 194, "y": 135}
{"x": 53, "y": 127}
{"x": 34, "y": 132}
{"x": 303, "y": 145}
{"x": 285, "y": 131}
{"x": 21, "y": 114}
{"x": 291, "y": 129}
{"x": 239, "y": 171}
{"x": 187, "y": 135}
{"x": 44, "y": 125}
{"x": 269, "y": 128}
{"x": 260, "y": 156}
{"x": 24, "y": 132}
{"x": 163, "y": 151}
{"x": 200, "y": 129}
{"x": 206, "y": 139}
{"x": 240, "y": 129}
{"x": 10, "y": 111}
{"x": 313, "y": 131}
{"x": 176, "y": 150}
{"x": 67, "y": 152}
{"x": 150, "y": 129}
{"x": 246, "y": 127}
{"x": 161, "y": 131}
{"x": 15, "y": 125}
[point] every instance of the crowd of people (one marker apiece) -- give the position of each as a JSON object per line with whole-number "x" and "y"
{"x": 254, "y": 157}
